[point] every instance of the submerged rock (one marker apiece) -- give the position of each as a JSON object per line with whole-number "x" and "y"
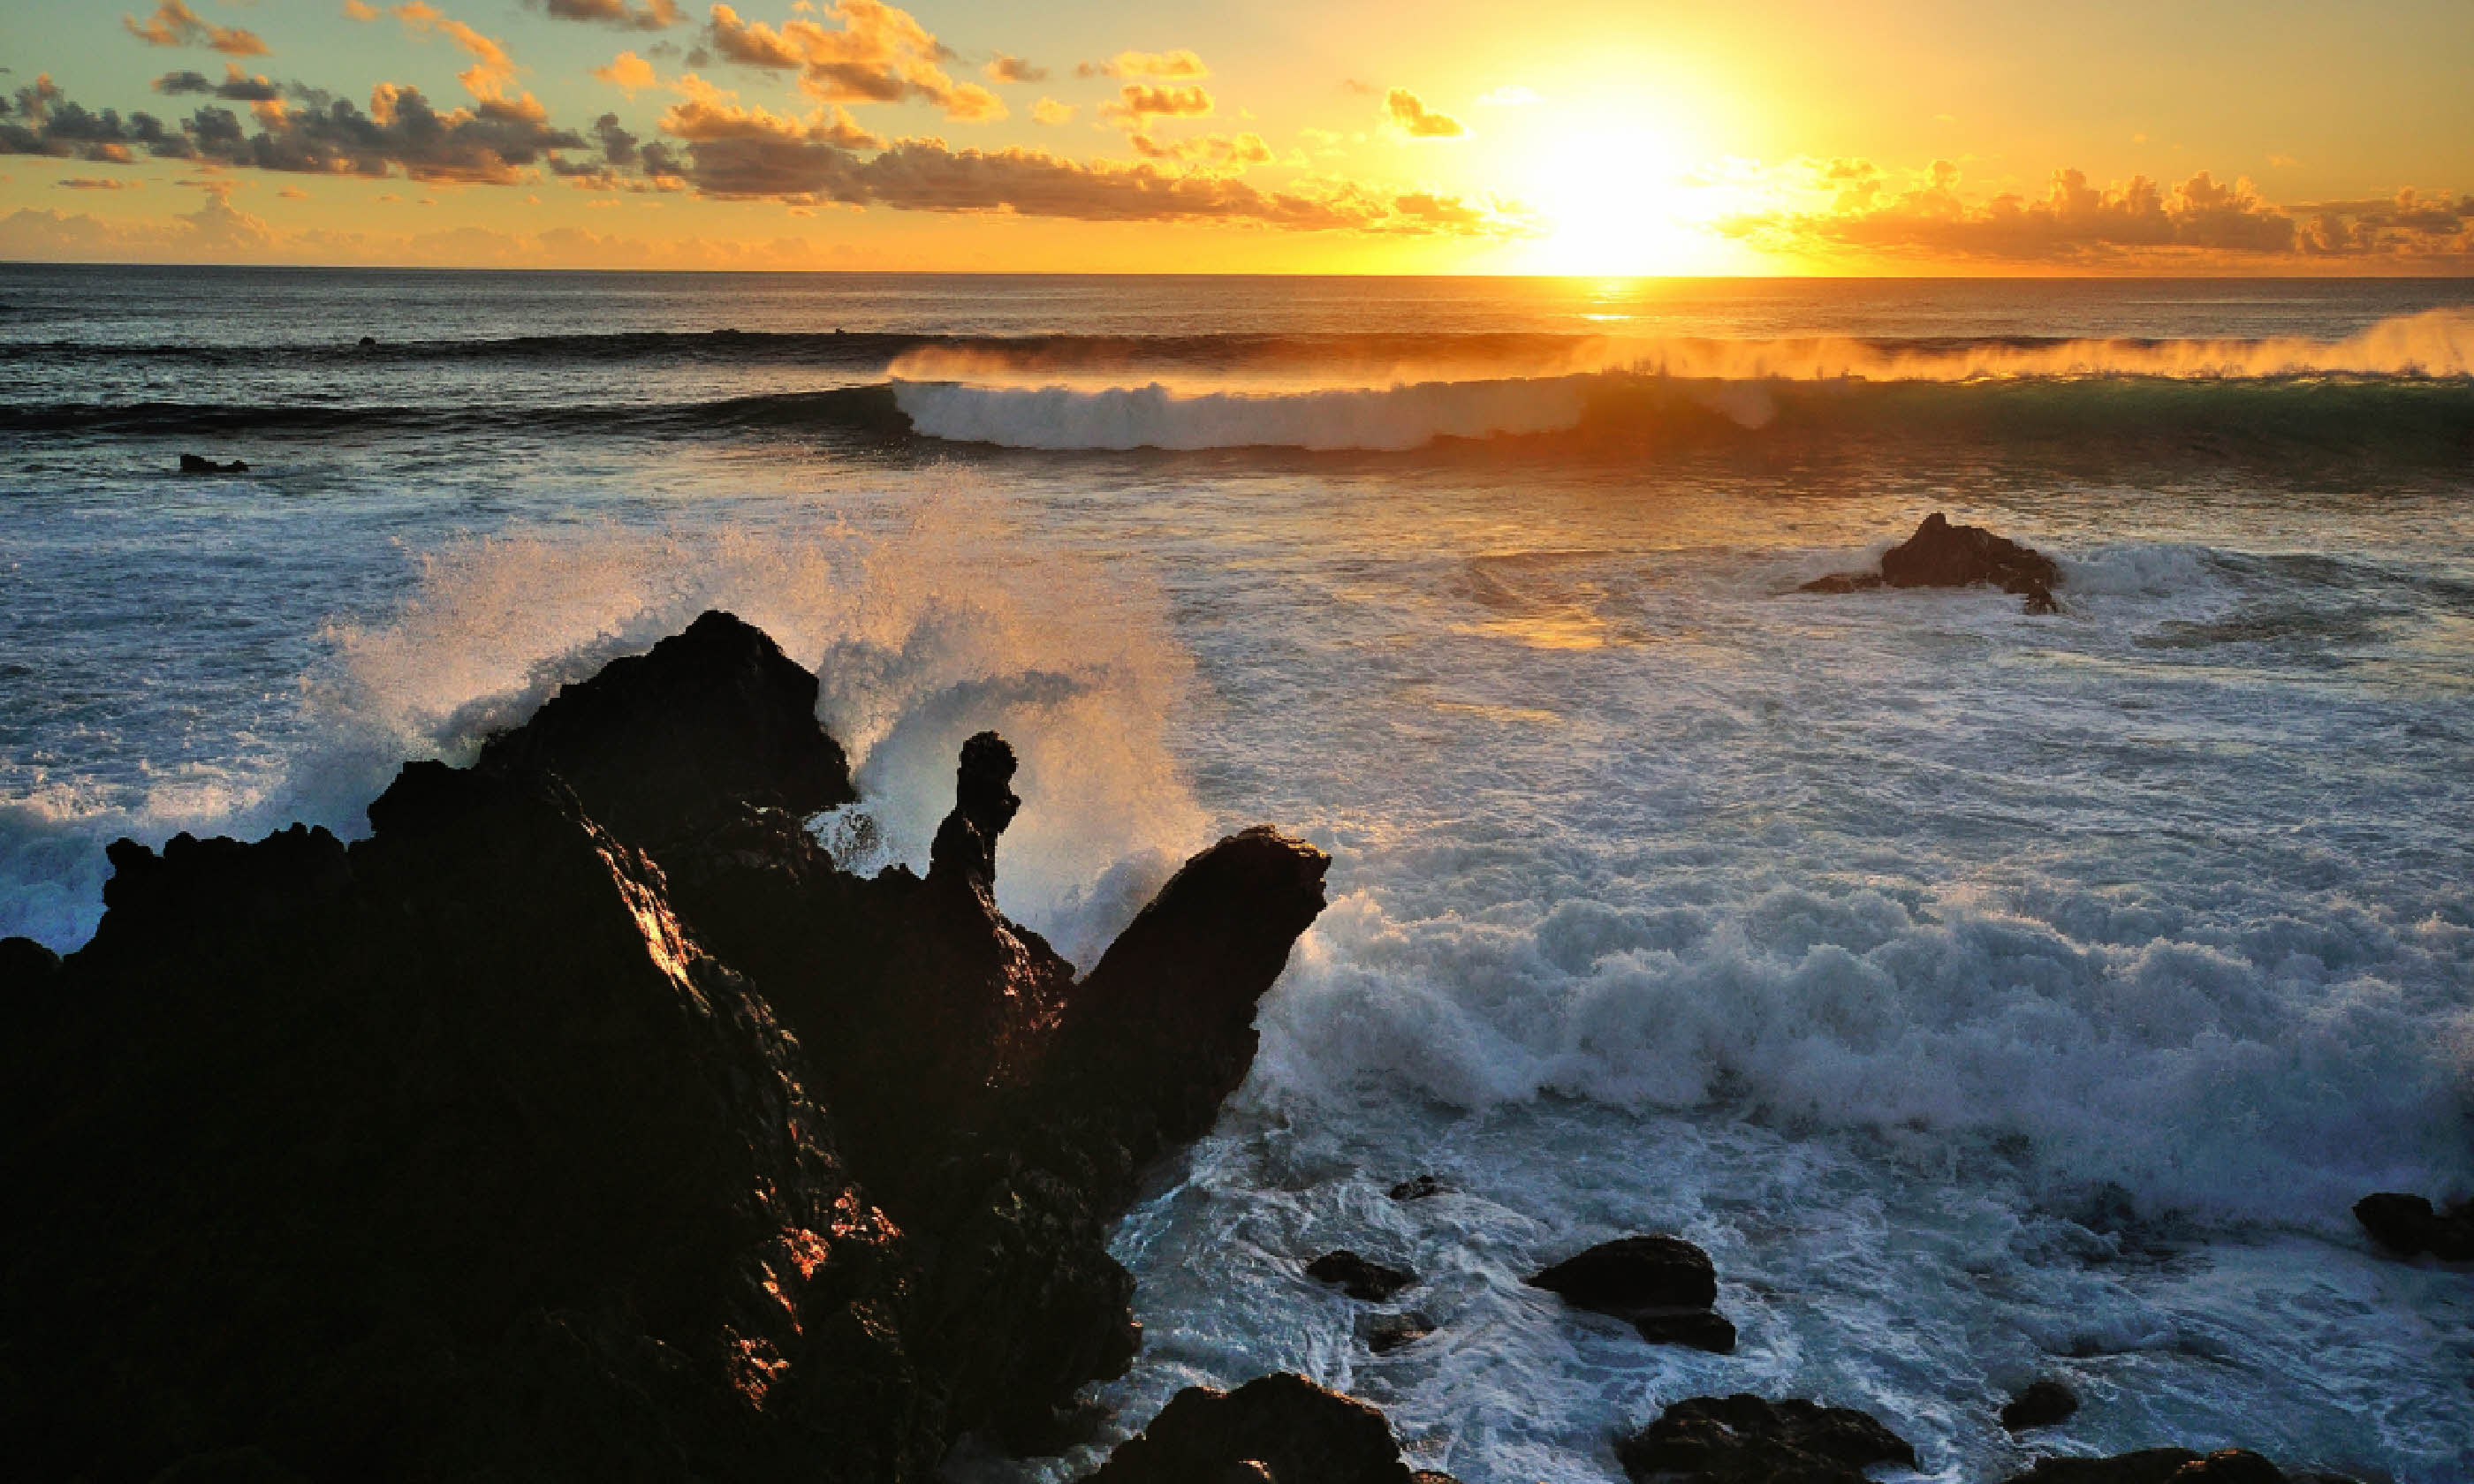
{"x": 1359, "y": 1278}
{"x": 1387, "y": 1332}
{"x": 2041, "y": 1404}
{"x": 1280, "y": 1427}
{"x": 1419, "y": 1188}
{"x": 1664, "y": 1285}
{"x": 586, "y": 1122}
{"x": 1943, "y": 555}
{"x": 2407, "y": 1226}
{"x": 194, "y": 464}
{"x": 2168, "y": 1466}
{"x": 1743, "y": 1439}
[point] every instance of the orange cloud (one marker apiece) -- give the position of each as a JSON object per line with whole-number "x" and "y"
{"x": 1137, "y": 101}
{"x": 880, "y": 54}
{"x": 175, "y": 24}
{"x": 628, "y": 72}
{"x": 1405, "y": 113}
{"x": 1178, "y": 64}
{"x": 1048, "y": 110}
{"x": 492, "y": 71}
{"x": 2076, "y": 222}
{"x": 1226, "y": 150}
{"x": 1013, "y": 69}
{"x": 100, "y": 184}
{"x": 361, "y": 10}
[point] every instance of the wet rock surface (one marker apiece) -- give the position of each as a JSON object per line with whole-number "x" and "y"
{"x": 1280, "y": 1427}
{"x": 2410, "y": 1226}
{"x": 1743, "y": 1439}
{"x": 1943, "y": 555}
{"x": 1663, "y": 1285}
{"x": 2170, "y": 1465}
{"x": 586, "y": 1122}
{"x": 1358, "y": 1277}
{"x": 1387, "y": 1332}
{"x": 2039, "y": 1404}
{"x": 198, "y": 464}
{"x": 1421, "y": 1187}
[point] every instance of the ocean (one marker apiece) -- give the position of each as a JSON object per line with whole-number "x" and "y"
{"x": 1993, "y": 996}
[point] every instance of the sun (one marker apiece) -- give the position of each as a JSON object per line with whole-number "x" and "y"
{"x": 1615, "y": 206}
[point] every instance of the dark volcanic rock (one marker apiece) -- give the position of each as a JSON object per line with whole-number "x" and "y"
{"x": 1387, "y": 1332}
{"x": 24, "y": 963}
{"x": 2407, "y": 1226}
{"x": 1357, "y": 1277}
{"x": 1743, "y": 1439}
{"x": 1663, "y": 1285}
{"x": 1942, "y": 555}
{"x": 193, "y": 463}
{"x": 710, "y": 721}
{"x": 2041, "y": 1404}
{"x": 516, "y": 1142}
{"x": 1287, "y": 1427}
{"x": 1422, "y": 1187}
{"x": 2168, "y": 1466}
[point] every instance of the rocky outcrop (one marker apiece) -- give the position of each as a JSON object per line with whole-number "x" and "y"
{"x": 1387, "y": 1332}
{"x": 1280, "y": 1427}
{"x": 1663, "y": 1285}
{"x": 1743, "y": 1439}
{"x": 586, "y": 1122}
{"x": 1421, "y": 1188}
{"x": 2039, "y": 1404}
{"x": 2408, "y": 1226}
{"x": 1360, "y": 1278}
{"x": 1943, "y": 555}
{"x": 2168, "y": 1466}
{"x": 198, "y": 464}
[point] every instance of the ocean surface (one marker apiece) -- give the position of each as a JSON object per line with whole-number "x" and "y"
{"x": 1993, "y": 996}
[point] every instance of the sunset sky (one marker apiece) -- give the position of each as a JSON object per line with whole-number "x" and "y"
{"x": 2274, "y": 136}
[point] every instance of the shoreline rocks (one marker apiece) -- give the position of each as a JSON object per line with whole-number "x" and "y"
{"x": 1359, "y": 1278}
{"x": 1280, "y": 1427}
{"x": 1743, "y": 1439}
{"x": 2407, "y": 1226}
{"x": 1943, "y": 555}
{"x": 2039, "y": 1404}
{"x": 1663, "y": 1285}
{"x": 196, "y": 464}
{"x": 2168, "y": 1466}
{"x": 585, "y": 1121}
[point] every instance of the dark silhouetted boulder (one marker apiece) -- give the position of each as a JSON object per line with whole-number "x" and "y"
{"x": 2168, "y": 1466}
{"x": 195, "y": 464}
{"x": 2407, "y": 1226}
{"x": 24, "y": 965}
{"x": 709, "y": 722}
{"x": 585, "y": 1122}
{"x": 2041, "y": 1404}
{"x": 1358, "y": 1277}
{"x": 1943, "y": 555}
{"x": 1662, "y": 1284}
{"x": 1743, "y": 1439}
{"x": 1421, "y": 1188}
{"x": 1285, "y": 1426}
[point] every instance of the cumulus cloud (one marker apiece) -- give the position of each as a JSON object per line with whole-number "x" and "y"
{"x": 1236, "y": 150}
{"x": 627, "y": 72}
{"x": 175, "y": 24}
{"x": 879, "y": 53}
{"x": 493, "y": 142}
{"x": 1013, "y": 69}
{"x": 493, "y": 70}
{"x": 1178, "y": 64}
{"x": 235, "y": 88}
{"x": 645, "y": 15}
{"x": 2076, "y": 221}
{"x": 1138, "y": 101}
{"x": 361, "y": 10}
{"x": 1404, "y": 111}
{"x": 1048, "y": 110}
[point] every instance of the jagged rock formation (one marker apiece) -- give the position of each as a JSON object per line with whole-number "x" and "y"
{"x": 586, "y": 1122}
{"x": 1280, "y": 1427}
{"x": 1743, "y": 1439}
{"x": 1943, "y": 555}
{"x": 1663, "y": 1285}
